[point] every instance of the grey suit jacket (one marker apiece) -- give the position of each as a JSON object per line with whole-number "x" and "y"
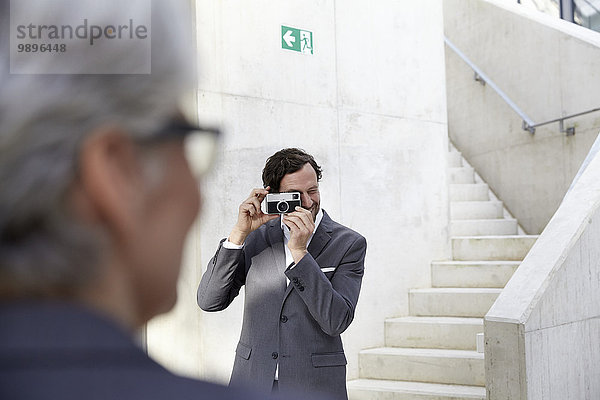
{"x": 299, "y": 325}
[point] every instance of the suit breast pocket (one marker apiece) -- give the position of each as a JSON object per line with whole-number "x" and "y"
{"x": 329, "y": 271}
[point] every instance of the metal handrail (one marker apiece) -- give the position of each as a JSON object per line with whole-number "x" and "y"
{"x": 570, "y": 131}
{"x": 482, "y": 77}
{"x": 528, "y": 124}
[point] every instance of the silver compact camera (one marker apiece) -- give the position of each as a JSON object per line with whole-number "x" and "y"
{"x": 282, "y": 203}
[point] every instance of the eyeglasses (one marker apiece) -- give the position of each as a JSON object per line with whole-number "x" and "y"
{"x": 200, "y": 143}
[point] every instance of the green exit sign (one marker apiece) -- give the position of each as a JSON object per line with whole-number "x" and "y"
{"x": 296, "y": 39}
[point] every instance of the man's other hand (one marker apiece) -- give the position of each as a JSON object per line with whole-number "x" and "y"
{"x": 301, "y": 226}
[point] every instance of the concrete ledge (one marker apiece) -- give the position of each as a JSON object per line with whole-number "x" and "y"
{"x": 484, "y": 227}
{"x": 469, "y": 192}
{"x": 475, "y": 210}
{"x": 376, "y": 389}
{"x": 454, "y": 159}
{"x": 452, "y": 302}
{"x": 423, "y": 365}
{"x": 492, "y": 248}
{"x": 490, "y": 274}
{"x": 462, "y": 175}
{"x": 433, "y": 332}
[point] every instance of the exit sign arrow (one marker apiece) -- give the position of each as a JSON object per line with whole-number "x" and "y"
{"x": 289, "y": 39}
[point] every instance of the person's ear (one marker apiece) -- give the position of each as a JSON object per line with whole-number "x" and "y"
{"x": 111, "y": 179}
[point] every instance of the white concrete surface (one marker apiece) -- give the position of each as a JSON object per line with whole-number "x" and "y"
{"x": 459, "y": 367}
{"x": 476, "y": 209}
{"x": 491, "y": 274}
{"x": 492, "y": 248}
{"x": 480, "y": 342}
{"x": 371, "y": 389}
{"x": 433, "y": 332}
{"x": 484, "y": 227}
{"x": 462, "y": 175}
{"x": 469, "y": 192}
{"x": 549, "y": 68}
{"x": 369, "y": 104}
{"x": 452, "y": 302}
{"x": 541, "y": 335}
{"x": 454, "y": 159}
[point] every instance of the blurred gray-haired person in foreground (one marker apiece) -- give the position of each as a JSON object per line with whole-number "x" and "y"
{"x": 96, "y": 199}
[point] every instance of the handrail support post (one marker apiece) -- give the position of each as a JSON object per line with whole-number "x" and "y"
{"x": 479, "y": 79}
{"x": 570, "y": 131}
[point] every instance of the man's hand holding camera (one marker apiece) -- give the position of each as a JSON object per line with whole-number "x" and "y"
{"x": 301, "y": 226}
{"x": 250, "y": 216}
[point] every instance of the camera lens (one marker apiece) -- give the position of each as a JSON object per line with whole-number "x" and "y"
{"x": 283, "y": 206}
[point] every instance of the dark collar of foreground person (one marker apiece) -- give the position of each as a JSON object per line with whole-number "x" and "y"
{"x": 60, "y": 350}
{"x": 47, "y": 325}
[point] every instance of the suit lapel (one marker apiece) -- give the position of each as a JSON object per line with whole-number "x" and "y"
{"x": 321, "y": 237}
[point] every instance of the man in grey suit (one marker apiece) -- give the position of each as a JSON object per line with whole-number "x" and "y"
{"x": 302, "y": 272}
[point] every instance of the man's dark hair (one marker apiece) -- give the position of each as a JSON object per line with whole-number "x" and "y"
{"x": 286, "y": 161}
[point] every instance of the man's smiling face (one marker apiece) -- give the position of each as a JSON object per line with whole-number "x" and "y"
{"x": 304, "y": 181}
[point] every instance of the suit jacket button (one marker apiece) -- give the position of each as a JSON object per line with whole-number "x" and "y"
{"x": 301, "y": 288}
{"x": 274, "y": 355}
{"x": 284, "y": 319}
{"x": 295, "y": 279}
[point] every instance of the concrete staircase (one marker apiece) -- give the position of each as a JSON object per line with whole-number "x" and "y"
{"x": 432, "y": 354}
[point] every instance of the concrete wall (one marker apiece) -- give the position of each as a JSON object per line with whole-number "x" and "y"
{"x": 541, "y": 335}
{"x": 550, "y": 68}
{"x": 369, "y": 104}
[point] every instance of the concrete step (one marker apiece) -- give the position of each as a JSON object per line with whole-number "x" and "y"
{"x": 451, "y": 302}
{"x": 455, "y": 367}
{"x": 483, "y": 227}
{"x": 455, "y": 159}
{"x": 492, "y": 248}
{"x": 433, "y": 332}
{"x": 462, "y": 175}
{"x": 469, "y": 192}
{"x": 476, "y": 210}
{"x": 470, "y": 274}
{"x": 376, "y": 389}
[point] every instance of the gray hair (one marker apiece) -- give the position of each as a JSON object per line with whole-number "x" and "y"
{"x": 43, "y": 121}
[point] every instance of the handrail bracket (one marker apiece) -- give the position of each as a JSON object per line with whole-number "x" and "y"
{"x": 527, "y": 127}
{"x": 570, "y": 131}
{"x": 478, "y": 78}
